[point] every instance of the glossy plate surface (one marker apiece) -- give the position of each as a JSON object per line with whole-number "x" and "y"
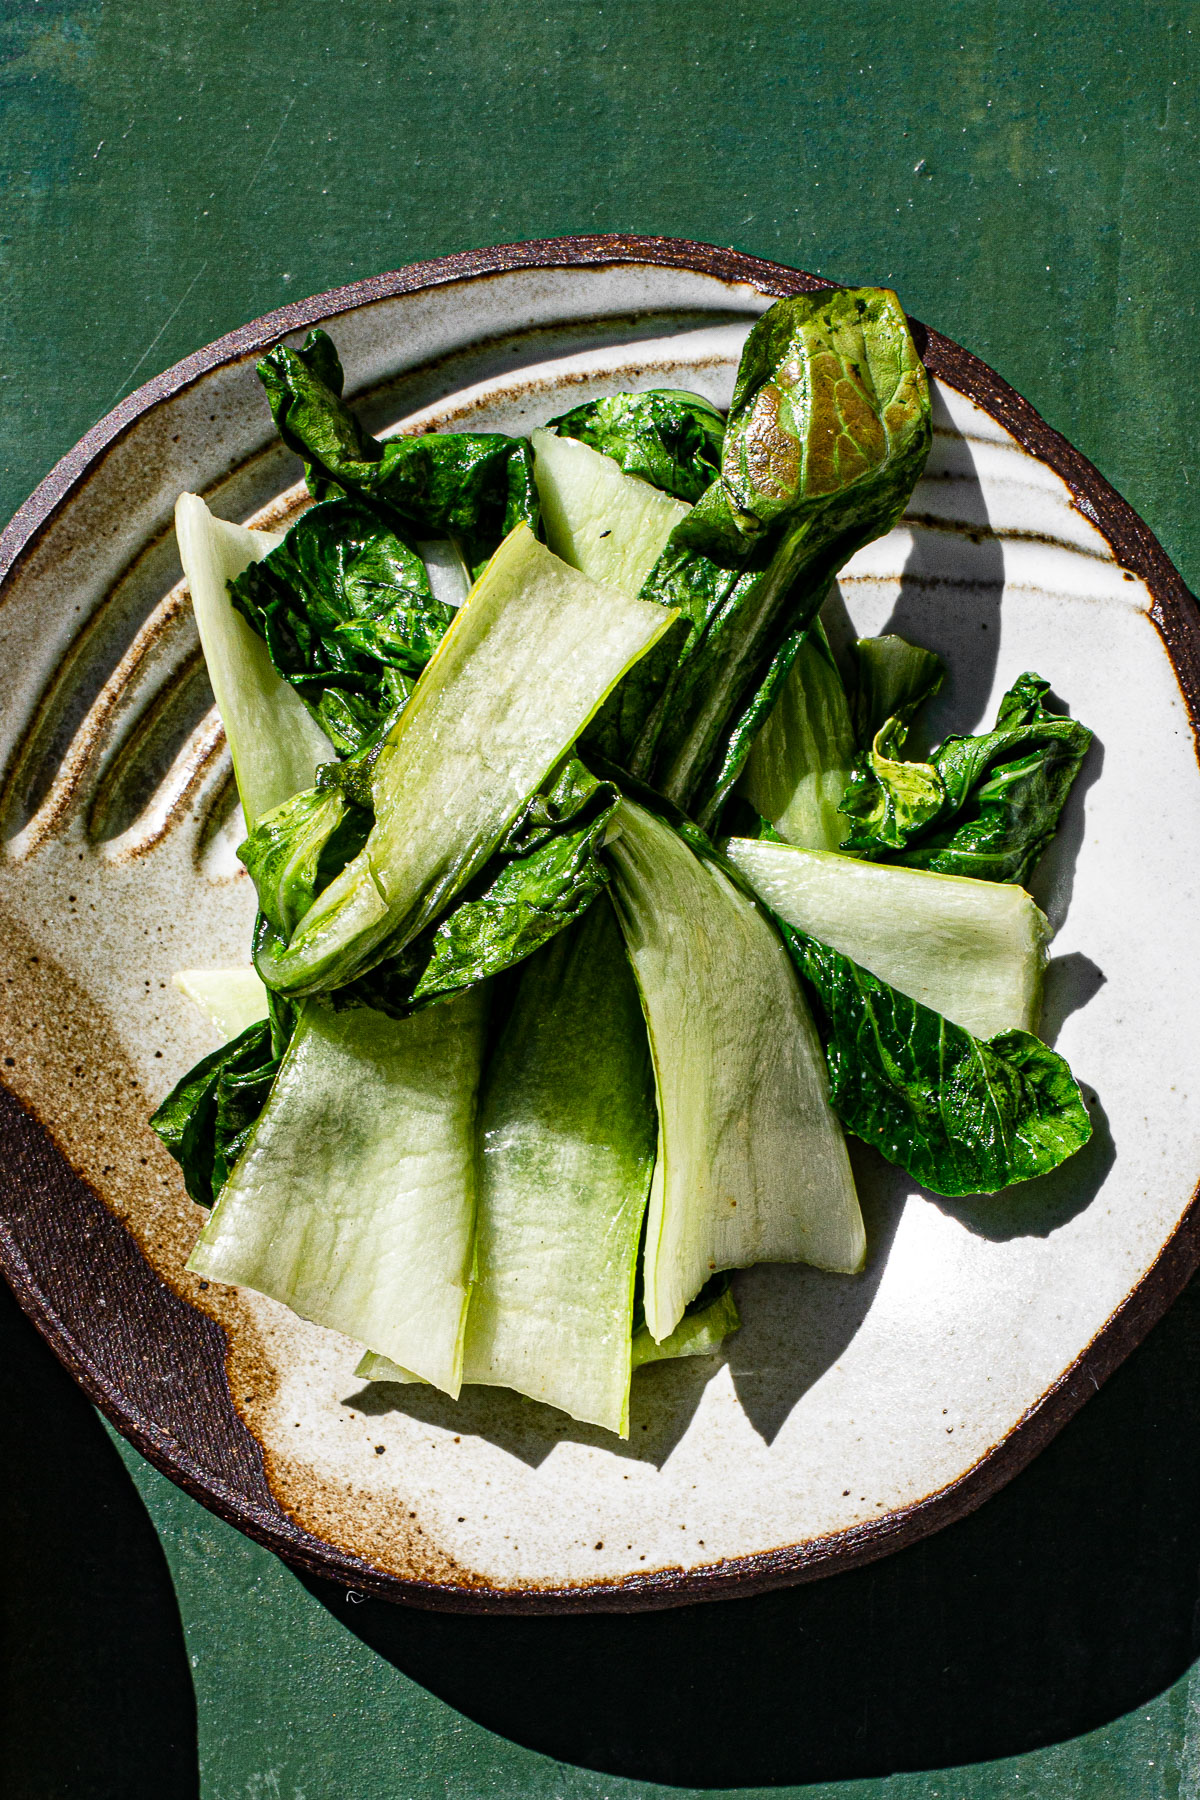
{"x": 849, "y": 1415}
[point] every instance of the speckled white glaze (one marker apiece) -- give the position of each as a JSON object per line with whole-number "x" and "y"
{"x": 842, "y": 1399}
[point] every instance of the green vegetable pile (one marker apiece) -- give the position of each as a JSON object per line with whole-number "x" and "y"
{"x": 597, "y": 899}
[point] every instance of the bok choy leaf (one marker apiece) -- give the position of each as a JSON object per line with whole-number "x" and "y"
{"x": 811, "y": 746}
{"x": 962, "y": 1115}
{"x": 354, "y": 1199}
{"x": 348, "y": 614}
{"x": 982, "y": 806}
{"x": 751, "y": 1164}
{"x": 528, "y": 660}
{"x": 205, "y": 1120}
{"x": 276, "y": 745}
{"x": 472, "y": 487}
{"x": 665, "y": 436}
{"x": 827, "y": 434}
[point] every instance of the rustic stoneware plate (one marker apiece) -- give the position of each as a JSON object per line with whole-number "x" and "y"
{"x": 850, "y": 1415}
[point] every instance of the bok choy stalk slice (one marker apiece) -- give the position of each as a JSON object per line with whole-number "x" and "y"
{"x": 611, "y": 525}
{"x": 752, "y": 1166}
{"x": 801, "y": 760}
{"x": 528, "y": 660}
{"x": 567, "y": 1130}
{"x": 972, "y": 950}
{"x": 275, "y": 743}
{"x": 665, "y": 436}
{"x": 962, "y": 1115}
{"x": 231, "y": 998}
{"x": 354, "y": 1201}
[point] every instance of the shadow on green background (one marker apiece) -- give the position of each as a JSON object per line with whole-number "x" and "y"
{"x": 1063, "y": 1605}
{"x": 96, "y": 1693}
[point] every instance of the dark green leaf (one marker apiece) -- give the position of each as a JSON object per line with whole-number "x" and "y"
{"x": 473, "y": 487}
{"x": 665, "y": 436}
{"x": 205, "y": 1121}
{"x": 962, "y": 1116}
{"x": 1002, "y": 794}
{"x": 348, "y": 615}
{"x": 296, "y": 849}
{"x": 890, "y": 798}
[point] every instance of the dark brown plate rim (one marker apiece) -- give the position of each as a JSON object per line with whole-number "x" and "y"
{"x": 155, "y": 1366}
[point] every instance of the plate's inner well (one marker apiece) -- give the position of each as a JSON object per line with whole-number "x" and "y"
{"x": 842, "y": 1400}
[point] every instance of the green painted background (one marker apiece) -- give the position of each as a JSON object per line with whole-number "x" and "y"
{"x": 1026, "y": 176}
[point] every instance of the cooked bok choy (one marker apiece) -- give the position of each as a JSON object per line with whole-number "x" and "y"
{"x": 973, "y": 950}
{"x": 354, "y": 1200}
{"x": 276, "y": 744}
{"x": 530, "y": 1057}
{"x": 751, "y": 1166}
{"x": 529, "y": 659}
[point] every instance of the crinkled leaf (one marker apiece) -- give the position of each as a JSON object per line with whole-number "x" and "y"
{"x": 890, "y": 798}
{"x": 665, "y": 436}
{"x": 829, "y": 389}
{"x": 963, "y": 1116}
{"x": 1003, "y": 793}
{"x": 473, "y": 487}
{"x": 294, "y": 851}
{"x": 348, "y": 615}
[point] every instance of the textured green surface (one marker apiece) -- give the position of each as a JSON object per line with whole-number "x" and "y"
{"x": 1025, "y": 175}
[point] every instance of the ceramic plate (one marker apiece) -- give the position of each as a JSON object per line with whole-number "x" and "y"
{"x": 850, "y": 1415}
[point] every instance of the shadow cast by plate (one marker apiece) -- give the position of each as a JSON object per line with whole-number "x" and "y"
{"x": 96, "y": 1698}
{"x": 1066, "y": 1601}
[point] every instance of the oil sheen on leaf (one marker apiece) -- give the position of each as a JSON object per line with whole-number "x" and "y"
{"x": 962, "y": 1115}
